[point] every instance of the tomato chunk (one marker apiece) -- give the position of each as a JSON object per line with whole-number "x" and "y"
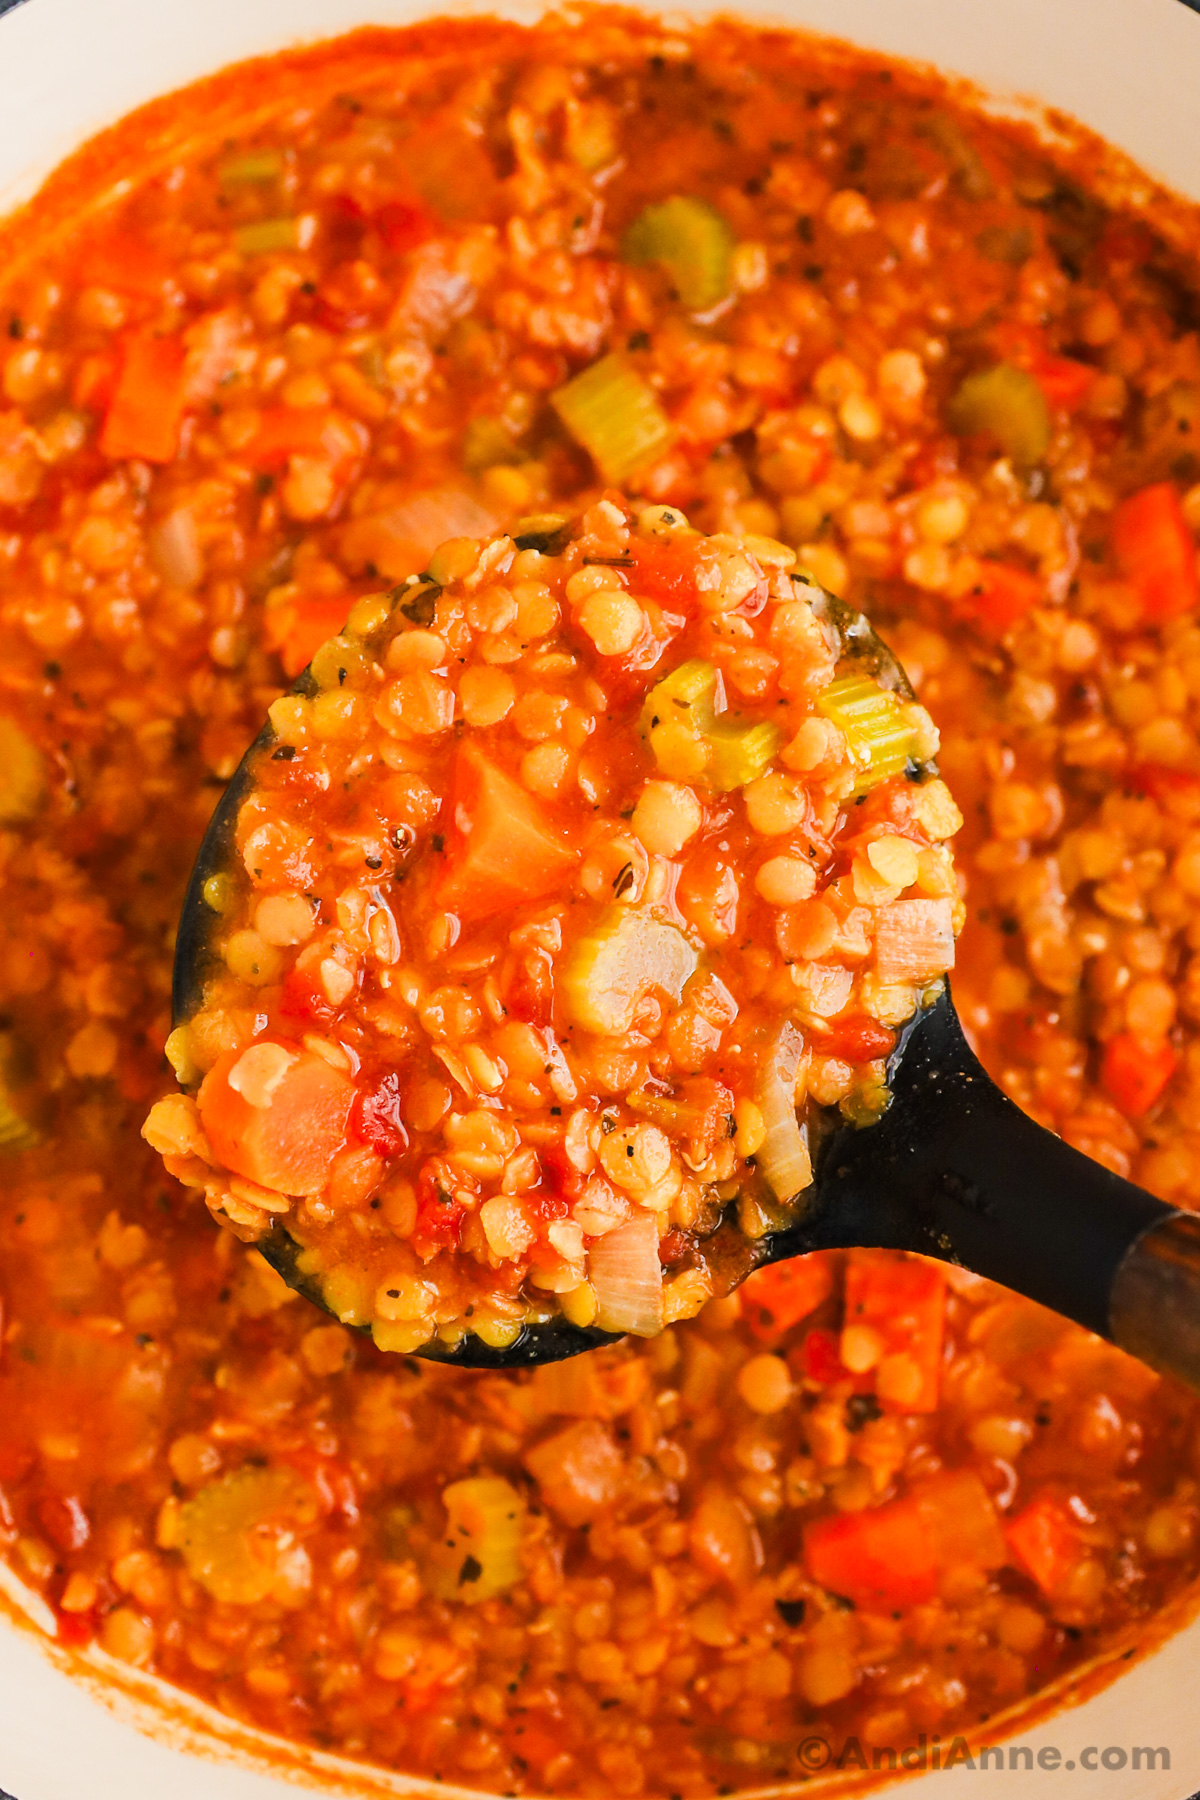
{"x": 277, "y": 1115}
{"x": 1000, "y": 597}
{"x": 505, "y": 849}
{"x": 1155, "y": 551}
{"x": 881, "y": 1559}
{"x": 1134, "y": 1071}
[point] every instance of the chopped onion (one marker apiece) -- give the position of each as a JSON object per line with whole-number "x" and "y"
{"x": 783, "y": 1157}
{"x": 399, "y": 540}
{"x": 914, "y": 940}
{"x": 624, "y": 1269}
{"x": 175, "y": 550}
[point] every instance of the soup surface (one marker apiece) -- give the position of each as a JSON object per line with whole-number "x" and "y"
{"x": 265, "y": 380}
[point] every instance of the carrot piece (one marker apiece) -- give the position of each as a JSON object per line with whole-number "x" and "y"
{"x": 902, "y": 1299}
{"x": 506, "y": 849}
{"x": 1044, "y": 1541}
{"x": 1134, "y": 1071}
{"x": 881, "y": 1559}
{"x": 288, "y": 1142}
{"x": 95, "y": 379}
{"x": 285, "y": 431}
{"x": 148, "y": 402}
{"x": 779, "y": 1296}
{"x": 1065, "y": 382}
{"x": 1000, "y": 597}
{"x": 296, "y": 630}
{"x": 1155, "y": 551}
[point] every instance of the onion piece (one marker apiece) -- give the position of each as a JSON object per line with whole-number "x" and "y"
{"x": 783, "y": 1158}
{"x": 175, "y": 550}
{"x": 624, "y": 1269}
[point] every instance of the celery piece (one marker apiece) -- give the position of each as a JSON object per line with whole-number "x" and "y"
{"x": 740, "y": 753}
{"x": 478, "y": 1554}
{"x": 610, "y": 971}
{"x": 1007, "y": 403}
{"x": 22, "y": 775}
{"x": 15, "y": 1132}
{"x": 691, "y": 241}
{"x": 878, "y": 732}
{"x": 266, "y": 235}
{"x": 690, "y": 741}
{"x": 611, "y": 412}
{"x": 237, "y": 1534}
{"x": 488, "y": 442}
{"x": 252, "y": 168}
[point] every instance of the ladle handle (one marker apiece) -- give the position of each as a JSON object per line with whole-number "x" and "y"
{"x": 954, "y": 1168}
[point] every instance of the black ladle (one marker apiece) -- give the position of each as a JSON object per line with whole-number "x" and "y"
{"x": 953, "y": 1169}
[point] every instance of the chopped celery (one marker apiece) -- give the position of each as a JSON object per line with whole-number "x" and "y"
{"x": 691, "y": 241}
{"x": 611, "y": 970}
{"x": 478, "y": 1555}
{"x": 690, "y": 741}
{"x": 487, "y": 442}
{"x": 267, "y": 235}
{"x": 611, "y": 412}
{"x": 1007, "y": 403}
{"x": 237, "y": 1535}
{"x": 738, "y": 754}
{"x": 15, "y": 1132}
{"x": 22, "y": 775}
{"x": 877, "y": 728}
{"x": 251, "y": 168}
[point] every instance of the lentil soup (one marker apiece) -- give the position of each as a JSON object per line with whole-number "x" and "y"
{"x": 262, "y": 382}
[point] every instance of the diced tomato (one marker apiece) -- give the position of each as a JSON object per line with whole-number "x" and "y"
{"x": 76, "y": 1629}
{"x": 1000, "y": 597}
{"x": 346, "y": 222}
{"x": 64, "y": 1521}
{"x": 297, "y": 629}
{"x": 505, "y": 849}
{"x": 349, "y": 296}
{"x": 858, "y": 1038}
{"x": 439, "y": 1215}
{"x": 1044, "y": 1540}
{"x": 560, "y": 1177}
{"x": 531, "y": 1745}
{"x": 148, "y": 401}
{"x": 672, "y": 1246}
{"x": 820, "y": 1361}
{"x": 903, "y": 1300}
{"x": 882, "y": 1558}
{"x": 1065, "y": 382}
{"x": 779, "y": 1296}
{"x": 1180, "y": 788}
{"x": 1125, "y": 244}
{"x": 1155, "y": 551}
{"x": 665, "y": 572}
{"x": 288, "y": 1144}
{"x": 303, "y": 997}
{"x": 1134, "y": 1071}
{"x": 124, "y": 266}
{"x": 378, "y": 1116}
{"x": 403, "y": 224}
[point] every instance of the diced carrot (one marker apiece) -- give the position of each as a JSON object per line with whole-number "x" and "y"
{"x": 1065, "y": 382}
{"x": 95, "y": 379}
{"x": 882, "y": 1559}
{"x": 903, "y": 1300}
{"x": 858, "y": 1038}
{"x": 125, "y": 266}
{"x": 289, "y": 1143}
{"x": 1000, "y": 597}
{"x": 505, "y": 849}
{"x": 1134, "y": 1071}
{"x": 1155, "y": 551}
{"x": 285, "y": 431}
{"x": 148, "y": 402}
{"x": 298, "y": 628}
{"x": 1044, "y": 1541}
{"x": 779, "y": 1296}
